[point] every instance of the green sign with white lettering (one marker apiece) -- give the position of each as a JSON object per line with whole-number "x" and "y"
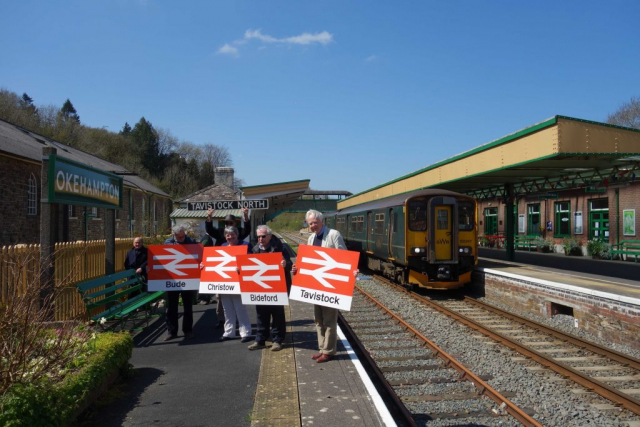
{"x": 73, "y": 183}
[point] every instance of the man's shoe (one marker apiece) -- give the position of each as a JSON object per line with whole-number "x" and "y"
{"x": 246, "y": 339}
{"x": 276, "y": 346}
{"x": 189, "y": 335}
{"x": 316, "y": 356}
{"x": 170, "y": 337}
{"x": 324, "y": 358}
{"x": 257, "y": 346}
{"x": 218, "y": 325}
{"x": 223, "y": 338}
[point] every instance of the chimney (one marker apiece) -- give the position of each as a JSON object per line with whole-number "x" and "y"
{"x": 224, "y": 176}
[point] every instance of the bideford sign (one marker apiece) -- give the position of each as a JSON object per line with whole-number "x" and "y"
{"x": 77, "y": 184}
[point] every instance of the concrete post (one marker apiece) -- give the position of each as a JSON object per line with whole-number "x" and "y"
{"x": 47, "y": 229}
{"x": 110, "y": 241}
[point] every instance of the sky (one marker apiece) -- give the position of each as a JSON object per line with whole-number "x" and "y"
{"x": 348, "y": 94}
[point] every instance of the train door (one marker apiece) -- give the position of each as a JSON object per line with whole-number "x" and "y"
{"x": 390, "y": 230}
{"x": 443, "y": 229}
{"x": 369, "y": 243}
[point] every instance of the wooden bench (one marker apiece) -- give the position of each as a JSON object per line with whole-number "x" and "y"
{"x": 525, "y": 241}
{"x": 114, "y": 294}
{"x": 626, "y": 247}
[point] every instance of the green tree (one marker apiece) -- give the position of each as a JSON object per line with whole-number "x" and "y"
{"x": 68, "y": 111}
{"x": 126, "y": 129}
{"x": 627, "y": 115}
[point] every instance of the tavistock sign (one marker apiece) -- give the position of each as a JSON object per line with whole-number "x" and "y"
{"x": 262, "y": 279}
{"x": 325, "y": 276}
{"x": 174, "y": 267}
{"x": 219, "y": 275}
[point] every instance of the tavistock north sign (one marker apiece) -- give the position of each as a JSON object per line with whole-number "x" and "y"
{"x": 228, "y": 204}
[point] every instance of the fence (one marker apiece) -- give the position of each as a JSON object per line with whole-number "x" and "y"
{"x": 74, "y": 262}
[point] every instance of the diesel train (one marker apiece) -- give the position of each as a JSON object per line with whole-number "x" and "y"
{"x": 427, "y": 238}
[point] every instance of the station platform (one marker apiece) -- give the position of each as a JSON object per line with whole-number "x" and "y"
{"x": 619, "y": 280}
{"x": 204, "y": 382}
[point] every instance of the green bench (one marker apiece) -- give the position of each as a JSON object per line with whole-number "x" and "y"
{"x": 522, "y": 241}
{"x": 112, "y": 294}
{"x": 626, "y": 247}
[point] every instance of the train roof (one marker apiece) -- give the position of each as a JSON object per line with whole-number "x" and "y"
{"x": 400, "y": 200}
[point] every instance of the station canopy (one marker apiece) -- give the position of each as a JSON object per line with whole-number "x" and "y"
{"x": 561, "y": 153}
{"x": 281, "y": 195}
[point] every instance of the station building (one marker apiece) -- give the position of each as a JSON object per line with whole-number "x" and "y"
{"x": 564, "y": 178}
{"x": 145, "y": 209}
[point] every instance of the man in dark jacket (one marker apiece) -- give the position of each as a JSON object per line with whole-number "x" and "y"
{"x": 267, "y": 243}
{"x": 137, "y": 259}
{"x": 229, "y": 221}
{"x": 173, "y": 297}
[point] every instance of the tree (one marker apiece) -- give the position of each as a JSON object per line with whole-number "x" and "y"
{"x": 146, "y": 139}
{"x": 69, "y": 112}
{"x": 628, "y": 114}
{"x": 126, "y": 129}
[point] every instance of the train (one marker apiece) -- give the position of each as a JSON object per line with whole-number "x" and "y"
{"x": 423, "y": 238}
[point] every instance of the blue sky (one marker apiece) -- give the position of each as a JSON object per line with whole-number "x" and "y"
{"x": 349, "y": 94}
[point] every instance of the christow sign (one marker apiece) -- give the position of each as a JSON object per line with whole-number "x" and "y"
{"x": 76, "y": 184}
{"x": 228, "y": 204}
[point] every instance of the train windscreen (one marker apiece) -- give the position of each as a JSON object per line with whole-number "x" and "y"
{"x": 417, "y": 214}
{"x": 466, "y": 216}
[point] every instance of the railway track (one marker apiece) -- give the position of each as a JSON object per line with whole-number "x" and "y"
{"x": 598, "y": 371}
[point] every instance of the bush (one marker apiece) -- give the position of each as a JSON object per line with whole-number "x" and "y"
{"x": 56, "y": 403}
{"x": 547, "y": 245}
{"x": 572, "y": 246}
{"x": 598, "y": 248}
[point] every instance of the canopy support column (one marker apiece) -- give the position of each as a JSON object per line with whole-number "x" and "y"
{"x": 509, "y": 222}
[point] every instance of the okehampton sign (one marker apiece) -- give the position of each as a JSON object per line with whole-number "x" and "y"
{"x": 262, "y": 279}
{"x": 219, "y": 275}
{"x": 76, "y": 184}
{"x": 174, "y": 267}
{"x": 325, "y": 276}
{"x": 228, "y": 204}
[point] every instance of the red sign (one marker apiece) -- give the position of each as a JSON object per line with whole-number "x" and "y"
{"x": 174, "y": 267}
{"x": 262, "y": 279}
{"x": 325, "y": 276}
{"x": 219, "y": 275}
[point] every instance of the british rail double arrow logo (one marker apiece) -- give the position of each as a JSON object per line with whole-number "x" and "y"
{"x": 327, "y": 263}
{"x": 176, "y": 258}
{"x": 261, "y": 268}
{"x": 223, "y": 267}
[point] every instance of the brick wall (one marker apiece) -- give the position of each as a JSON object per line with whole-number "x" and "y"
{"x": 20, "y": 227}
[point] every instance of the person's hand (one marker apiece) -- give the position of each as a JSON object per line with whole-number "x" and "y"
{"x": 201, "y": 266}
{"x": 210, "y": 212}
{"x": 355, "y": 272}
{"x": 294, "y": 269}
{"x": 139, "y": 270}
{"x": 283, "y": 263}
{"x": 245, "y": 214}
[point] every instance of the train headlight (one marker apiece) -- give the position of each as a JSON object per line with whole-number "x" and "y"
{"x": 418, "y": 250}
{"x": 465, "y": 250}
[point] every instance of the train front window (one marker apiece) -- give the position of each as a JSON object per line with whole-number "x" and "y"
{"x": 466, "y": 216}
{"x": 417, "y": 214}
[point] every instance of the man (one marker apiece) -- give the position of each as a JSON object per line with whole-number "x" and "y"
{"x": 218, "y": 238}
{"x": 326, "y": 318}
{"x": 265, "y": 313}
{"x": 137, "y": 259}
{"x": 173, "y": 297}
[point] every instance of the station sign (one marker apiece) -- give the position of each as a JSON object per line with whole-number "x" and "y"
{"x": 174, "y": 267}
{"x": 219, "y": 275}
{"x": 262, "y": 279}
{"x": 592, "y": 189}
{"x": 325, "y": 276}
{"x": 74, "y": 183}
{"x": 545, "y": 196}
{"x": 228, "y": 204}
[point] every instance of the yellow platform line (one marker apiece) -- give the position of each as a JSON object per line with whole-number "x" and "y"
{"x": 276, "y": 401}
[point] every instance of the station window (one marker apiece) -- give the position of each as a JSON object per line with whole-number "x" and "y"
{"x": 32, "y": 196}
{"x": 466, "y": 216}
{"x": 563, "y": 219}
{"x": 417, "y": 214}
{"x": 379, "y": 228}
{"x": 533, "y": 219}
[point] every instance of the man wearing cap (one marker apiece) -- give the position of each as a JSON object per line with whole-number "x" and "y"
{"x": 218, "y": 237}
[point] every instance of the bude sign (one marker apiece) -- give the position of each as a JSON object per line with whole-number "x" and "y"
{"x": 262, "y": 279}
{"x": 219, "y": 275}
{"x": 325, "y": 276}
{"x": 174, "y": 267}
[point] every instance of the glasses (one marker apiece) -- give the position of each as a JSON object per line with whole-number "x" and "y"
{"x": 263, "y": 236}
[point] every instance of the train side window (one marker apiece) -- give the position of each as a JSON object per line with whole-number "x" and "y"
{"x": 417, "y": 214}
{"x": 466, "y": 216}
{"x": 379, "y": 229}
{"x": 360, "y": 224}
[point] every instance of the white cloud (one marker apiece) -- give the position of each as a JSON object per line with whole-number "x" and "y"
{"x": 322, "y": 38}
{"x": 227, "y": 49}
{"x": 371, "y": 58}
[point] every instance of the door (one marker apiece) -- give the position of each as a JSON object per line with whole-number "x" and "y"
{"x": 443, "y": 233}
{"x": 599, "y": 219}
{"x": 391, "y": 230}
{"x": 369, "y": 246}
